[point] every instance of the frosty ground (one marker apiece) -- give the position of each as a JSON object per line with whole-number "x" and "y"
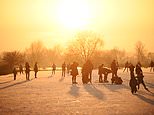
{"x": 55, "y": 95}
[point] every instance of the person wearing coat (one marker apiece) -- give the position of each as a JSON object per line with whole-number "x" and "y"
{"x": 35, "y": 69}
{"x": 15, "y": 73}
{"x": 114, "y": 68}
{"x": 27, "y": 70}
{"x": 133, "y": 81}
{"x": 74, "y": 72}
{"x": 63, "y": 69}
{"x": 140, "y": 76}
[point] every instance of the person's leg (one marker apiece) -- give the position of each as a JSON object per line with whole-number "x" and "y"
{"x": 28, "y": 75}
{"x": 144, "y": 85}
{"x": 14, "y": 77}
{"x": 64, "y": 73}
{"x": 124, "y": 69}
{"x": 150, "y": 69}
{"x": 72, "y": 79}
{"x": 127, "y": 69}
{"x": 35, "y": 74}
{"x": 75, "y": 79}
{"x": 90, "y": 76}
{"x": 100, "y": 78}
{"x": 105, "y": 77}
{"x": 112, "y": 79}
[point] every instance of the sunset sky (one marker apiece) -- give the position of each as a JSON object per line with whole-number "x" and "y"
{"x": 121, "y": 22}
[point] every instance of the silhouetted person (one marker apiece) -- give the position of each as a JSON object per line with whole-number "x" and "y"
{"x": 35, "y": 69}
{"x": 53, "y": 68}
{"x": 151, "y": 66}
{"x": 68, "y": 68}
{"x": 114, "y": 68}
{"x": 74, "y": 72}
{"x": 126, "y": 66}
{"x": 27, "y": 70}
{"x": 100, "y": 73}
{"x": 15, "y": 73}
{"x": 105, "y": 71}
{"x": 63, "y": 69}
{"x": 21, "y": 69}
{"x": 140, "y": 76}
{"x": 139, "y": 63}
{"x": 90, "y": 67}
{"x": 133, "y": 82}
{"x": 131, "y": 68}
{"x": 85, "y": 73}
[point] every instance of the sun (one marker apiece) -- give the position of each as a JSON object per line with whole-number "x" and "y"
{"x": 74, "y": 14}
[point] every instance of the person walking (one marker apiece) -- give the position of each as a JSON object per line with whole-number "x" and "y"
{"x": 133, "y": 81}
{"x": 63, "y": 69}
{"x": 74, "y": 72}
{"x": 15, "y": 73}
{"x": 35, "y": 69}
{"x": 68, "y": 68}
{"x": 27, "y": 70}
{"x": 53, "y": 68}
{"x": 126, "y": 66}
{"x": 140, "y": 76}
{"x": 20, "y": 69}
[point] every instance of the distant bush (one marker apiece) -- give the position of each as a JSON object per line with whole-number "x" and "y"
{"x": 5, "y": 69}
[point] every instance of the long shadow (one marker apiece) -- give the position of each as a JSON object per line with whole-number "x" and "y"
{"x": 18, "y": 83}
{"x": 74, "y": 91}
{"x": 145, "y": 99}
{"x": 149, "y": 84}
{"x": 115, "y": 87}
{"x": 61, "y": 79}
{"x": 6, "y": 82}
{"x": 147, "y": 93}
{"x": 149, "y": 72}
{"x": 94, "y": 91}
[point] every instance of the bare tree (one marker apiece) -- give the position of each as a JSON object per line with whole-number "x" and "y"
{"x": 54, "y": 55}
{"x": 85, "y": 45}
{"x": 35, "y": 53}
{"x": 140, "y": 51}
{"x": 13, "y": 58}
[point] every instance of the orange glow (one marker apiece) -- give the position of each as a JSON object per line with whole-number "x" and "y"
{"x": 74, "y": 14}
{"x": 119, "y": 21}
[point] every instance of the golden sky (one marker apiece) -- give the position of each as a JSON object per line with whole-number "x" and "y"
{"x": 121, "y": 22}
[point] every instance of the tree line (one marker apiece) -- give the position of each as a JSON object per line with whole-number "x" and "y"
{"x": 86, "y": 45}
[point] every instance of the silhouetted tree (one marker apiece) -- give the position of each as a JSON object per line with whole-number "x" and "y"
{"x": 54, "y": 55}
{"x": 35, "y": 53}
{"x": 140, "y": 51}
{"x": 85, "y": 45}
{"x": 13, "y": 58}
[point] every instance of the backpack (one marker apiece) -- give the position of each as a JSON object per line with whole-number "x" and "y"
{"x": 118, "y": 80}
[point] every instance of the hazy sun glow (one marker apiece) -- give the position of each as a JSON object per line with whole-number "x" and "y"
{"x": 74, "y": 14}
{"x": 56, "y": 21}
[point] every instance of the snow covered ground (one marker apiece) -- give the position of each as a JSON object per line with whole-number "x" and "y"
{"x": 55, "y": 95}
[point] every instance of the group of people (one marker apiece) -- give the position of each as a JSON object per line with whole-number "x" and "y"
{"x": 64, "y": 67}
{"x": 102, "y": 71}
{"x": 151, "y": 65}
{"x": 27, "y": 70}
{"x": 136, "y": 80}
